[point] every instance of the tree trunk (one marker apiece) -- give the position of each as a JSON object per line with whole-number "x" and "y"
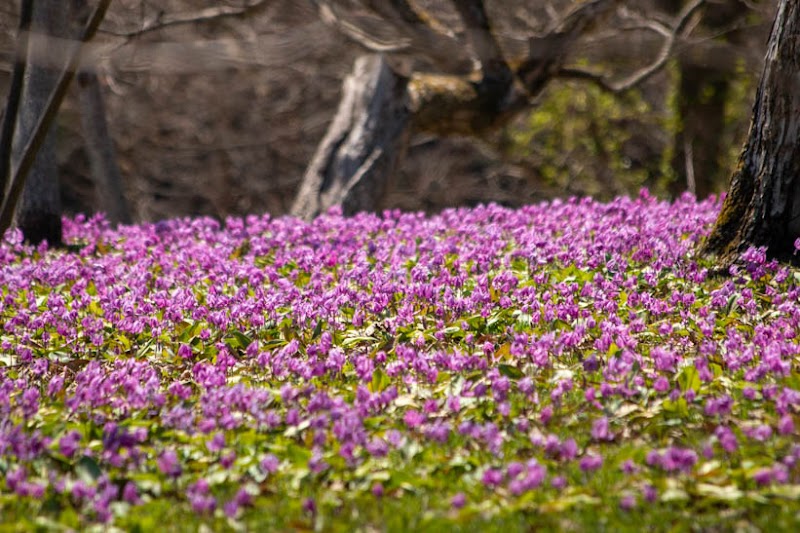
{"x": 379, "y": 108}
{"x": 703, "y": 91}
{"x": 38, "y": 214}
{"x": 702, "y": 96}
{"x": 365, "y": 141}
{"x": 762, "y": 207}
{"x": 100, "y": 148}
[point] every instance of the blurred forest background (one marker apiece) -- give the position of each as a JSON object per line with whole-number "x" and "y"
{"x": 217, "y": 107}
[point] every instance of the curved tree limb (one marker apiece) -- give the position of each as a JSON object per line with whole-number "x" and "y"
{"x": 458, "y": 104}
{"x": 547, "y": 54}
{"x": 681, "y": 28}
{"x": 167, "y": 20}
{"x": 397, "y": 27}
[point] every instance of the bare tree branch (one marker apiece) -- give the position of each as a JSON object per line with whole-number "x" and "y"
{"x": 395, "y": 26}
{"x": 14, "y": 94}
{"x": 547, "y": 54}
{"x": 681, "y": 28}
{"x": 166, "y": 20}
{"x": 28, "y": 154}
{"x": 365, "y": 37}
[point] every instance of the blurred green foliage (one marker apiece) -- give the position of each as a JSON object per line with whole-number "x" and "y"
{"x": 587, "y": 141}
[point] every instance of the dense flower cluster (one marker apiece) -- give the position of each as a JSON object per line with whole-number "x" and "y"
{"x": 565, "y": 354}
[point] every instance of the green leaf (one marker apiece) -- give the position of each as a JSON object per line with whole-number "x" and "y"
{"x": 87, "y": 469}
{"x": 298, "y": 455}
{"x": 380, "y": 381}
{"x": 240, "y": 340}
{"x": 689, "y": 378}
{"x": 510, "y": 371}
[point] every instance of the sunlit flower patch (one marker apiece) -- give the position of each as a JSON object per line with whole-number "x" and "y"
{"x": 562, "y": 365}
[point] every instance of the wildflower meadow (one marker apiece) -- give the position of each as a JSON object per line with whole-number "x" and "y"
{"x": 571, "y": 365}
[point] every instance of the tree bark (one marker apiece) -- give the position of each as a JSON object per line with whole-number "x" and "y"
{"x": 38, "y": 214}
{"x": 100, "y": 149}
{"x": 762, "y": 207}
{"x": 9, "y": 121}
{"x": 703, "y": 91}
{"x": 365, "y": 141}
{"x": 702, "y": 96}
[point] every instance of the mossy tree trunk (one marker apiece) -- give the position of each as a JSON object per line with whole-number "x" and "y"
{"x": 762, "y": 207}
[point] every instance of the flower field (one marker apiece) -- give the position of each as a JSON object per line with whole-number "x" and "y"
{"x": 570, "y": 365}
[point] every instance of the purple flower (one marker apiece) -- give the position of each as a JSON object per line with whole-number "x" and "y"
{"x": 228, "y": 460}
{"x": 514, "y": 469}
{"x": 130, "y": 494}
{"x": 55, "y": 386}
{"x": 270, "y": 463}
{"x": 627, "y": 502}
{"x": 591, "y": 364}
{"x": 168, "y": 463}
{"x": 231, "y": 508}
{"x": 590, "y": 463}
{"x": 310, "y": 506}
{"x": 413, "y": 418}
{"x": 600, "y": 430}
{"x": 458, "y": 500}
{"x": 525, "y": 385}
{"x": 453, "y": 404}
{"x": 678, "y": 459}
{"x": 629, "y": 467}
{"x": 492, "y": 477}
{"x": 786, "y": 425}
{"x": 726, "y": 439}
{"x": 661, "y": 384}
{"x": 569, "y": 449}
{"x": 760, "y": 433}
{"x": 663, "y": 359}
{"x": 719, "y": 406}
{"x": 68, "y": 444}
{"x": 217, "y": 443}
{"x": 763, "y": 476}
{"x": 185, "y": 351}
